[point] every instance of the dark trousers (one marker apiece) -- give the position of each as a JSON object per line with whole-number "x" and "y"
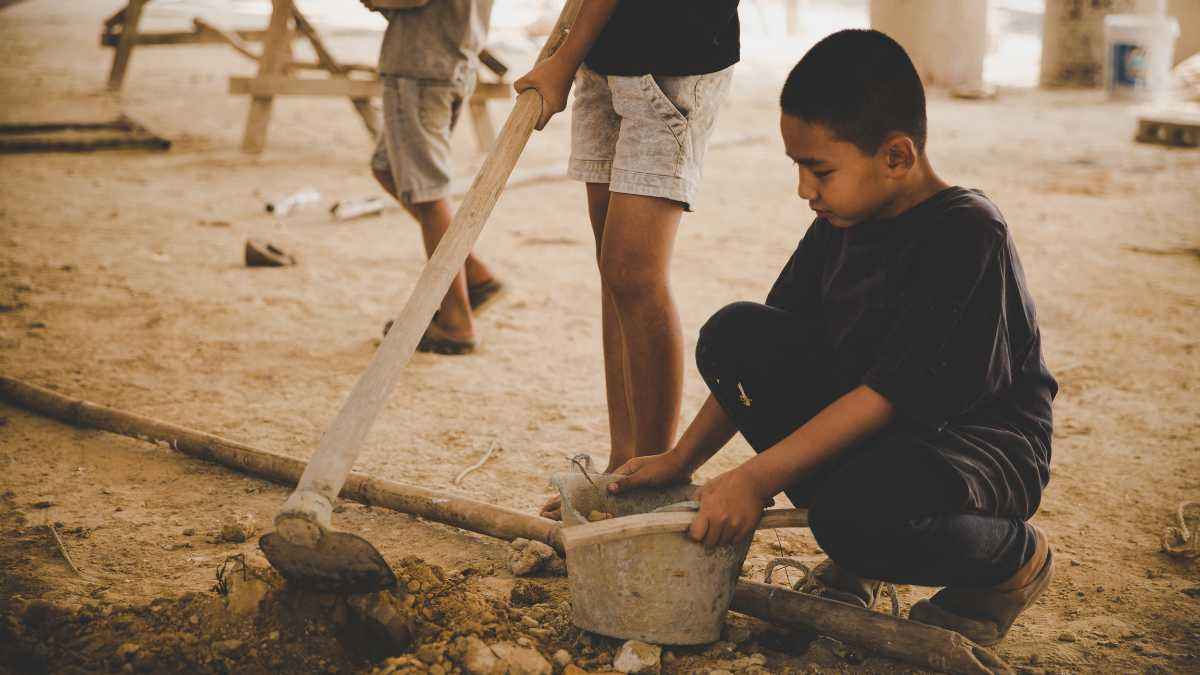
{"x": 891, "y": 508}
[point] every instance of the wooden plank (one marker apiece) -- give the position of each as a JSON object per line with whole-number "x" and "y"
{"x": 294, "y": 86}
{"x": 481, "y": 122}
{"x": 493, "y": 90}
{"x": 151, "y": 39}
{"x": 129, "y": 25}
{"x": 325, "y": 57}
{"x": 276, "y": 54}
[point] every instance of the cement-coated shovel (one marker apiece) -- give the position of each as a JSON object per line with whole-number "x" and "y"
{"x": 304, "y": 547}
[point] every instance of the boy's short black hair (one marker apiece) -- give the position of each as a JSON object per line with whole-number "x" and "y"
{"x": 862, "y": 86}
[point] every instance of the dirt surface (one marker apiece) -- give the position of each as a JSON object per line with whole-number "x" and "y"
{"x": 121, "y": 281}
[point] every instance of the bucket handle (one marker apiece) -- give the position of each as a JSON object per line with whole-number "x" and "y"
{"x": 660, "y": 522}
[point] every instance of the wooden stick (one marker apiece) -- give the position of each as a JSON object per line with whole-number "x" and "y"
{"x": 494, "y": 521}
{"x": 914, "y": 643}
{"x": 130, "y": 18}
{"x": 63, "y": 550}
{"x": 339, "y": 446}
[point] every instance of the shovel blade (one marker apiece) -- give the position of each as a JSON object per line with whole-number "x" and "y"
{"x": 340, "y": 563}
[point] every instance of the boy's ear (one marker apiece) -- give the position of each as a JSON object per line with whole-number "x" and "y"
{"x": 899, "y": 153}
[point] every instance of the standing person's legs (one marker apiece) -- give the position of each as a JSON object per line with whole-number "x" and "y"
{"x": 635, "y": 256}
{"x": 412, "y": 164}
{"x": 620, "y": 420}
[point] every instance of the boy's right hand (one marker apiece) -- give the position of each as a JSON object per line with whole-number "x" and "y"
{"x": 552, "y": 78}
{"x": 667, "y": 468}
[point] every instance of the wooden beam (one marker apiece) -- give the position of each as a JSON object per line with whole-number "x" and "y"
{"x": 276, "y": 54}
{"x": 492, "y": 90}
{"x": 294, "y": 86}
{"x": 325, "y": 57}
{"x": 129, "y": 25}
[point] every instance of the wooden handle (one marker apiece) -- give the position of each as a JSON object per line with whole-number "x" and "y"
{"x": 339, "y": 447}
{"x": 664, "y": 521}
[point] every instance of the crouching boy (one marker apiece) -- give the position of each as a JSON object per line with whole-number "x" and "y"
{"x": 893, "y": 383}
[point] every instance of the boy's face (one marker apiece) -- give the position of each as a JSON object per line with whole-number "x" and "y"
{"x": 841, "y": 183}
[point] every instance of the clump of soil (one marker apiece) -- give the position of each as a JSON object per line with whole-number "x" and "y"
{"x": 252, "y": 622}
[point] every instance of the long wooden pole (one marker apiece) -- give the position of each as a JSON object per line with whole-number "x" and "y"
{"x": 312, "y": 501}
{"x": 469, "y": 514}
{"x": 908, "y": 641}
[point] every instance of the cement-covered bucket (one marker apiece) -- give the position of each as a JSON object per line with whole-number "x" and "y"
{"x": 648, "y": 585}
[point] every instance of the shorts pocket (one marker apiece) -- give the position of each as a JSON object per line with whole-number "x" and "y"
{"x": 672, "y": 112}
{"x": 438, "y": 106}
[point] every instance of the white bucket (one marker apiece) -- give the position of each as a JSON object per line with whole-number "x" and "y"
{"x": 1138, "y": 51}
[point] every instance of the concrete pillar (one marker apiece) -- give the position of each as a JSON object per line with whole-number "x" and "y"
{"x": 946, "y": 39}
{"x": 1073, "y": 39}
{"x": 1188, "y": 14}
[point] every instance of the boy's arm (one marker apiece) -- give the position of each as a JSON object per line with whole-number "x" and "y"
{"x": 731, "y": 504}
{"x": 552, "y": 78}
{"x": 709, "y": 432}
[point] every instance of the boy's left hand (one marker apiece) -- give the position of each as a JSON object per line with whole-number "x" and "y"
{"x": 730, "y": 508}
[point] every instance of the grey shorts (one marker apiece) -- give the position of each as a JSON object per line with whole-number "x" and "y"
{"x": 418, "y": 118}
{"x": 644, "y": 135}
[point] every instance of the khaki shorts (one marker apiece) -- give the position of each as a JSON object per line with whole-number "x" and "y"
{"x": 418, "y": 118}
{"x": 644, "y": 135}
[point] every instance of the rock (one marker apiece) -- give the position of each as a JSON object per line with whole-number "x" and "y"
{"x": 525, "y": 592}
{"x": 529, "y": 556}
{"x": 638, "y": 657}
{"x": 573, "y": 670}
{"x": 562, "y": 658}
{"x": 522, "y": 660}
{"x": 597, "y": 516}
{"x": 480, "y": 659}
{"x": 247, "y": 588}
{"x": 43, "y": 503}
{"x": 429, "y": 653}
{"x": 754, "y": 661}
{"x": 127, "y": 650}
{"x": 737, "y": 634}
{"x": 227, "y": 647}
{"x": 1192, "y": 591}
{"x": 237, "y": 530}
{"x": 386, "y": 617}
{"x": 189, "y": 531}
{"x": 530, "y": 621}
{"x": 1067, "y": 636}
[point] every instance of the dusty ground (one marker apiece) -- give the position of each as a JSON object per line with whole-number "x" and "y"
{"x": 121, "y": 282}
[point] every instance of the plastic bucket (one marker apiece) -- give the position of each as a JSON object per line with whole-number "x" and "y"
{"x": 1138, "y": 52}
{"x": 660, "y": 588}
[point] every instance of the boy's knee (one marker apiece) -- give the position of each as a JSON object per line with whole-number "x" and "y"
{"x": 848, "y": 533}
{"x": 724, "y": 332}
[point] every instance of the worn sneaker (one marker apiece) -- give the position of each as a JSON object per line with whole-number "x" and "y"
{"x": 829, "y": 581}
{"x": 984, "y": 615}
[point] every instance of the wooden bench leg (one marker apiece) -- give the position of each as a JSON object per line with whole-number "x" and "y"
{"x": 129, "y": 27}
{"x": 485, "y": 130}
{"x": 276, "y": 54}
